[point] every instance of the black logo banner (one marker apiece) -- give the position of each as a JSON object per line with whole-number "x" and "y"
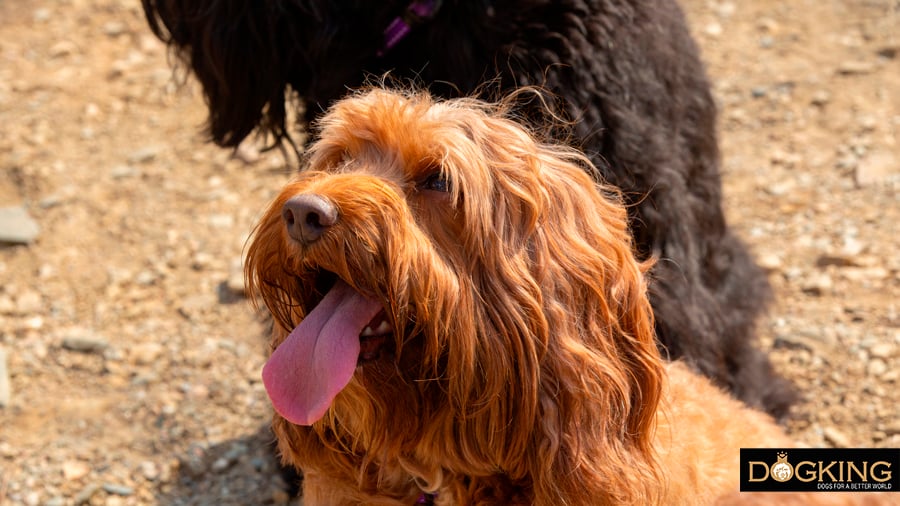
{"x": 820, "y": 469}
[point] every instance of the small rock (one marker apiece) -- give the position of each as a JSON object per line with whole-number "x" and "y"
{"x": 5, "y": 388}
{"x": 882, "y": 350}
{"x": 818, "y": 284}
{"x": 82, "y": 341}
{"x": 16, "y": 226}
{"x": 770, "y": 262}
{"x": 855, "y": 68}
{"x": 220, "y": 465}
{"x": 876, "y": 168}
{"x": 876, "y": 367}
{"x": 836, "y": 437}
{"x": 29, "y": 302}
{"x": 62, "y": 48}
{"x": 821, "y": 98}
{"x": 146, "y": 353}
{"x": 32, "y": 498}
{"x": 833, "y": 260}
{"x": 857, "y": 274}
{"x": 793, "y": 342}
{"x": 759, "y": 92}
{"x": 889, "y": 52}
{"x": 75, "y": 469}
{"x": 84, "y": 497}
{"x": 146, "y": 277}
{"x": 193, "y": 464}
{"x": 123, "y": 171}
{"x": 149, "y": 470}
{"x": 144, "y": 154}
{"x": 713, "y": 29}
{"x": 112, "y": 488}
{"x": 41, "y": 15}
{"x": 114, "y": 28}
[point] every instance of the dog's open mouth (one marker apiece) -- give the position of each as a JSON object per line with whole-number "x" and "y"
{"x": 375, "y": 337}
{"x": 318, "y": 358}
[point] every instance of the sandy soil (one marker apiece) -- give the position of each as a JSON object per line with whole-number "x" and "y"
{"x": 134, "y": 359}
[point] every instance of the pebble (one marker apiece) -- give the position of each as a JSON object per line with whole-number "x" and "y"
{"x": 821, "y": 98}
{"x": 882, "y": 350}
{"x": 193, "y": 463}
{"x": 114, "y": 28}
{"x": 75, "y": 469}
{"x": 84, "y": 342}
{"x": 145, "y": 353}
{"x": 112, "y": 488}
{"x": 17, "y": 226}
{"x": 876, "y": 168}
{"x": 220, "y": 464}
{"x": 145, "y": 154}
{"x": 795, "y": 342}
{"x": 713, "y": 29}
{"x": 29, "y": 302}
{"x": 149, "y": 470}
{"x": 5, "y": 388}
{"x": 84, "y": 497}
{"x": 851, "y": 68}
{"x": 123, "y": 171}
{"x": 62, "y": 48}
{"x": 818, "y": 284}
{"x": 42, "y": 14}
{"x": 770, "y": 262}
{"x": 836, "y": 437}
{"x": 876, "y": 367}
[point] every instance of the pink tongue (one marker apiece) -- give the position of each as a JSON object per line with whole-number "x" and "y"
{"x": 317, "y": 359}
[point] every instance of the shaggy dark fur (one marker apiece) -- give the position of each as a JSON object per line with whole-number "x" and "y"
{"x": 627, "y": 71}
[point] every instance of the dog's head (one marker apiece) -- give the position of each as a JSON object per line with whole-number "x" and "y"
{"x": 444, "y": 284}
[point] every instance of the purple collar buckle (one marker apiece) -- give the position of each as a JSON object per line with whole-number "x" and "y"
{"x": 417, "y": 12}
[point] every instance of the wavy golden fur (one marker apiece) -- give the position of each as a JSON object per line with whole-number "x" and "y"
{"x": 521, "y": 367}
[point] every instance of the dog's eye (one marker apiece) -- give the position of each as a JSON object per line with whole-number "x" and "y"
{"x": 436, "y": 182}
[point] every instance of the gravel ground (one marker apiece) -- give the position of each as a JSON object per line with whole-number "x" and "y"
{"x": 129, "y": 359}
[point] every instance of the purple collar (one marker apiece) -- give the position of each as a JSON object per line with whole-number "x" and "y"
{"x": 426, "y": 499}
{"x": 417, "y": 12}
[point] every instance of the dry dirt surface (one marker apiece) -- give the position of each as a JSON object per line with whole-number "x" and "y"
{"x": 133, "y": 360}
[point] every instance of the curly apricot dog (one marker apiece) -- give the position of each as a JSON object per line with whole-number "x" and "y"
{"x": 460, "y": 318}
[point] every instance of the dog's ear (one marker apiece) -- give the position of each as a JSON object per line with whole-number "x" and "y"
{"x": 602, "y": 346}
{"x": 565, "y": 329}
{"x": 238, "y": 50}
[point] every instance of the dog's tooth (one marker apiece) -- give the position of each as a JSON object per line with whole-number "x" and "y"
{"x": 367, "y": 332}
{"x": 383, "y": 328}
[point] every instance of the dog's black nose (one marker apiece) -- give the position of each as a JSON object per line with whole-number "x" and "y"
{"x": 308, "y": 216}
